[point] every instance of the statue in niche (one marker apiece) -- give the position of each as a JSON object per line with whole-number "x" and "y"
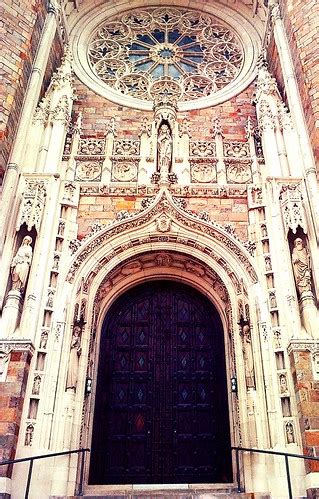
{"x": 301, "y": 266}
{"x": 248, "y": 357}
{"x": 283, "y": 384}
{"x": 290, "y": 433}
{"x": 36, "y": 385}
{"x": 75, "y": 353}
{"x": 43, "y": 340}
{"x": 164, "y": 150}
{"x": 29, "y": 435}
{"x": 20, "y": 265}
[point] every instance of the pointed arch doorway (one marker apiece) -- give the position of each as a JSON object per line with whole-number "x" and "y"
{"x": 161, "y": 407}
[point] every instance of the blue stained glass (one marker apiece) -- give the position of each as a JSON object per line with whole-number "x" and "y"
{"x": 187, "y": 67}
{"x": 195, "y": 48}
{"x": 195, "y": 58}
{"x": 146, "y": 39}
{"x": 137, "y": 46}
{"x": 173, "y": 71}
{"x": 136, "y": 57}
{"x": 173, "y": 36}
{"x": 145, "y": 66}
{"x": 159, "y": 35}
{"x": 186, "y": 40}
{"x": 158, "y": 71}
{"x": 140, "y": 394}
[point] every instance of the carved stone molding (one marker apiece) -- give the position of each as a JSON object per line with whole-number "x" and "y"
{"x": 164, "y": 204}
{"x": 8, "y": 346}
{"x": 296, "y": 345}
{"x": 292, "y": 207}
{"x": 32, "y": 205}
{"x": 167, "y": 259}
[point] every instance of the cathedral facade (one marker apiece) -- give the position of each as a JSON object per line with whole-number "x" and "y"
{"x": 159, "y": 222}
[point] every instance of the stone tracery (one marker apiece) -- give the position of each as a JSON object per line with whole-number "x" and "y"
{"x": 169, "y": 51}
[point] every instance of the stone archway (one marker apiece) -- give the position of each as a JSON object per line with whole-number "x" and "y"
{"x": 161, "y": 411}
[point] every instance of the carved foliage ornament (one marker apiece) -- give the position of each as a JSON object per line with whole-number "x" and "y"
{"x": 292, "y": 207}
{"x": 166, "y": 205}
{"x": 32, "y": 204}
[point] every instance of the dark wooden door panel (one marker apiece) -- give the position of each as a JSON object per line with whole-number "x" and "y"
{"x": 161, "y": 412}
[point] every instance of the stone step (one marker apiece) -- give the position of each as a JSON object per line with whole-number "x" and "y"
{"x": 193, "y": 493}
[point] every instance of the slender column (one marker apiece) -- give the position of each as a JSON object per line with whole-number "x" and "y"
{"x": 184, "y": 176}
{"x": 282, "y": 153}
{"x": 296, "y": 109}
{"x": 221, "y": 168}
{"x": 110, "y": 135}
{"x": 145, "y": 137}
{"x": 252, "y": 149}
{"x": 60, "y": 120}
{"x": 266, "y": 122}
{"x": 29, "y": 105}
{"x": 291, "y": 141}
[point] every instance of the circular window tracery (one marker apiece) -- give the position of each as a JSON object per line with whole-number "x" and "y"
{"x": 199, "y": 59}
{"x": 137, "y": 51}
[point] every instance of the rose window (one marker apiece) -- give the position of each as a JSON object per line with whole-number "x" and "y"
{"x": 186, "y": 54}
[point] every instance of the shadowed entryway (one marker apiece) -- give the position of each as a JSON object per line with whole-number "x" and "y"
{"x": 161, "y": 408}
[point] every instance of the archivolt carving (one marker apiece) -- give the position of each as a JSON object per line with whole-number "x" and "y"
{"x": 162, "y": 259}
{"x": 164, "y": 205}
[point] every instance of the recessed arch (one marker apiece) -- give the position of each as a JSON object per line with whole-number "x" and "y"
{"x": 161, "y": 351}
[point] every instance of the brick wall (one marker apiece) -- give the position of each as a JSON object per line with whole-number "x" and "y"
{"x": 307, "y": 392}
{"x": 103, "y": 209}
{"x": 97, "y": 111}
{"x": 301, "y": 19}
{"x": 12, "y": 393}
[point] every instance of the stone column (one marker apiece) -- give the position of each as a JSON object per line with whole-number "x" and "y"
{"x": 296, "y": 108}
{"x": 29, "y": 104}
{"x": 221, "y": 168}
{"x": 145, "y": 145}
{"x": 110, "y": 134}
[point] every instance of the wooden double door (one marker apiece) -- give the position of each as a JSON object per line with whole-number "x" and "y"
{"x": 161, "y": 408}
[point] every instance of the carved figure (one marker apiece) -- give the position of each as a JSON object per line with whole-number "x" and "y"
{"x": 29, "y": 435}
{"x": 283, "y": 383}
{"x": 301, "y": 266}
{"x": 290, "y": 433}
{"x": 75, "y": 353}
{"x": 248, "y": 357}
{"x": 20, "y": 265}
{"x": 268, "y": 263}
{"x": 272, "y": 300}
{"x": 44, "y": 339}
{"x": 36, "y": 385}
{"x": 164, "y": 149}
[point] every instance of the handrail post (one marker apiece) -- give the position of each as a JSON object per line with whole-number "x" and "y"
{"x": 288, "y": 477}
{"x": 238, "y": 471}
{"x": 26, "y": 496}
{"x": 80, "y": 491}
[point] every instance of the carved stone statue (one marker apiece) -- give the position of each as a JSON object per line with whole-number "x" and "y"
{"x": 20, "y": 265}
{"x": 164, "y": 150}
{"x": 75, "y": 353}
{"x": 248, "y": 357}
{"x": 301, "y": 266}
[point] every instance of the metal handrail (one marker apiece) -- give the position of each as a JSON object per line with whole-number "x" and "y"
{"x": 43, "y": 456}
{"x": 272, "y": 452}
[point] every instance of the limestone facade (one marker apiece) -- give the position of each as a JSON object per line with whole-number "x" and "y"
{"x": 230, "y": 208}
